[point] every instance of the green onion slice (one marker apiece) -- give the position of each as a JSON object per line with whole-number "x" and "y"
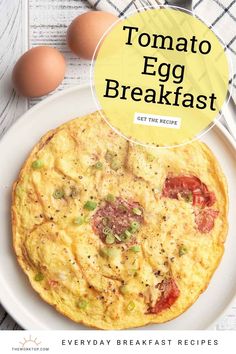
{"x": 134, "y": 226}
{"x": 110, "y": 198}
{"x": 79, "y": 220}
{"x": 137, "y": 211}
{"x": 125, "y": 236}
{"x": 150, "y": 157}
{"x": 82, "y": 304}
{"x": 58, "y": 194}
{"x": 39, "y": 277}
{"x": 109, "y": 252}
{"x": 131, "y": 306}
{"x": 110, "y": 239}
{"x": 106, "y": 230}
{"x": 135, "y": 248}
{"x": 90, "y": 205}
{"x": 117, "y": 237}
{"x": 182, "y": 250}
{"x": 98, "y": 165}
{"x": 37, "y": 164}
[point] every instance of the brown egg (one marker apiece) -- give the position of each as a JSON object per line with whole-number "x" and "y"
{"x": 86, "y": 30}
{"x": 39, "y": 71}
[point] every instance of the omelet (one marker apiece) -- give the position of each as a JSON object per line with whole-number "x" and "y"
{"x": 115, "y": 235}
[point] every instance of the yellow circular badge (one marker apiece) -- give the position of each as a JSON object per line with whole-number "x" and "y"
{"x": 161, "y": 77}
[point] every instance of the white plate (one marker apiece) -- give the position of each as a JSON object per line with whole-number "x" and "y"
{"x": 15, "y": 292}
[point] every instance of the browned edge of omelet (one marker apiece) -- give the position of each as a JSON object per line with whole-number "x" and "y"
{"x": 42, "y": 142}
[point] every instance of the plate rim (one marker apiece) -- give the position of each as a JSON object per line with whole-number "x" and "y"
{"x": 3, "y": 298}
{"x": 223, "y": 130}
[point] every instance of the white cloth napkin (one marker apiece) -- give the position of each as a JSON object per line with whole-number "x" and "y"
{"x": 221, "y": 14}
